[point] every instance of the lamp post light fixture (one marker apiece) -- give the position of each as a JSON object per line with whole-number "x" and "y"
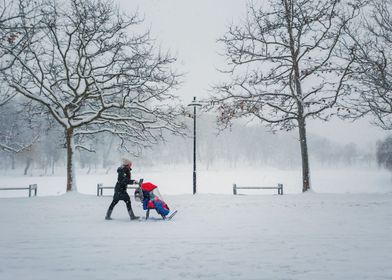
{"x": 194, "y": 104}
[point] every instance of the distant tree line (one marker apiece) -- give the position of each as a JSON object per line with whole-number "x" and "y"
{"x": 245, "y": 145}
{"x": 384, "y": 153}
{"x": 242, "y": 146}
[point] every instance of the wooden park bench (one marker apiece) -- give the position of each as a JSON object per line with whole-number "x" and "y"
{"x": 101, "y": 187}
{"x": 31, "y": 188}
{"x": 279, "y": 187}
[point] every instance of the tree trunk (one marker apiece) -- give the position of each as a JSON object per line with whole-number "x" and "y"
{"x": 28, "y": 164}
{"x": 53, "y": 164}
{"x": 13, "y": 162}
{"x": 70, "y": 168}
{"x": 299, "y": 96}
{"x": 304, "y": 155}
{"x": 106, "y": 154}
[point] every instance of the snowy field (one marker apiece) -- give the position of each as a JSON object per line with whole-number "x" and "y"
{"x": 343, "y": 230}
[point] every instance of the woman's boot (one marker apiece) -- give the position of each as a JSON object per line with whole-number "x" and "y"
{"x": 132, "y": 215}
{"x": 108, "y": 214}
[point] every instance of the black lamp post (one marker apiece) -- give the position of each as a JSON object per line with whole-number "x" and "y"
{"x": 194, "y": 104}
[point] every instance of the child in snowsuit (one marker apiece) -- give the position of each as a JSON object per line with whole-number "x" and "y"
{"x": 149, "y": 195}
{"x": 120, "y": 190}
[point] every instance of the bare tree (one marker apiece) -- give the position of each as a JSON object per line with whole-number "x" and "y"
{"x": 371, "y": 87}
{"x": 16, "y": 135}
{"x": 92, "y": 72}
{"x": 384, "y": 153}
{"x": 282, "y": 66}
{"x": 14, "y": 34}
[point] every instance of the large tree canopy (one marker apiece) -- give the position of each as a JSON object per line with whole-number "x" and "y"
{"x": 14, "y": 35}
{"x": 282, "y": 65}
{"x": 89, "y": 66}
{"x": 371, "y": 78}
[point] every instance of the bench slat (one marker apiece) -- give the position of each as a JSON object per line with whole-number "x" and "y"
{"x": 279, "y": 188}
{"x": 113, "y": 187}
{"x": 10, "y": 189}
{"x": 32, "y": 187}
{"x": 255, "y": 188}
{"x": 100, "y": 188}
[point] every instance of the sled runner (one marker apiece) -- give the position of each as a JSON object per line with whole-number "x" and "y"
{"x": 148, "y": 194}
{"x": 172, "y": 215}
{"x": 165, "y": 218}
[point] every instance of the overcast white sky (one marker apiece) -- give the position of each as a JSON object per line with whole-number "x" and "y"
{"x": 190, "y": 28}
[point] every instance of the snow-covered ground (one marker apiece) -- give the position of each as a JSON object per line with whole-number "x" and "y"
{"x": 343, "y": 234}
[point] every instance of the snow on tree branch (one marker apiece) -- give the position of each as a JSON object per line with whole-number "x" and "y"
{"x": 371, "y": 87}
{"x": 93, "y": 73}
{"x": 283, "y": 65}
